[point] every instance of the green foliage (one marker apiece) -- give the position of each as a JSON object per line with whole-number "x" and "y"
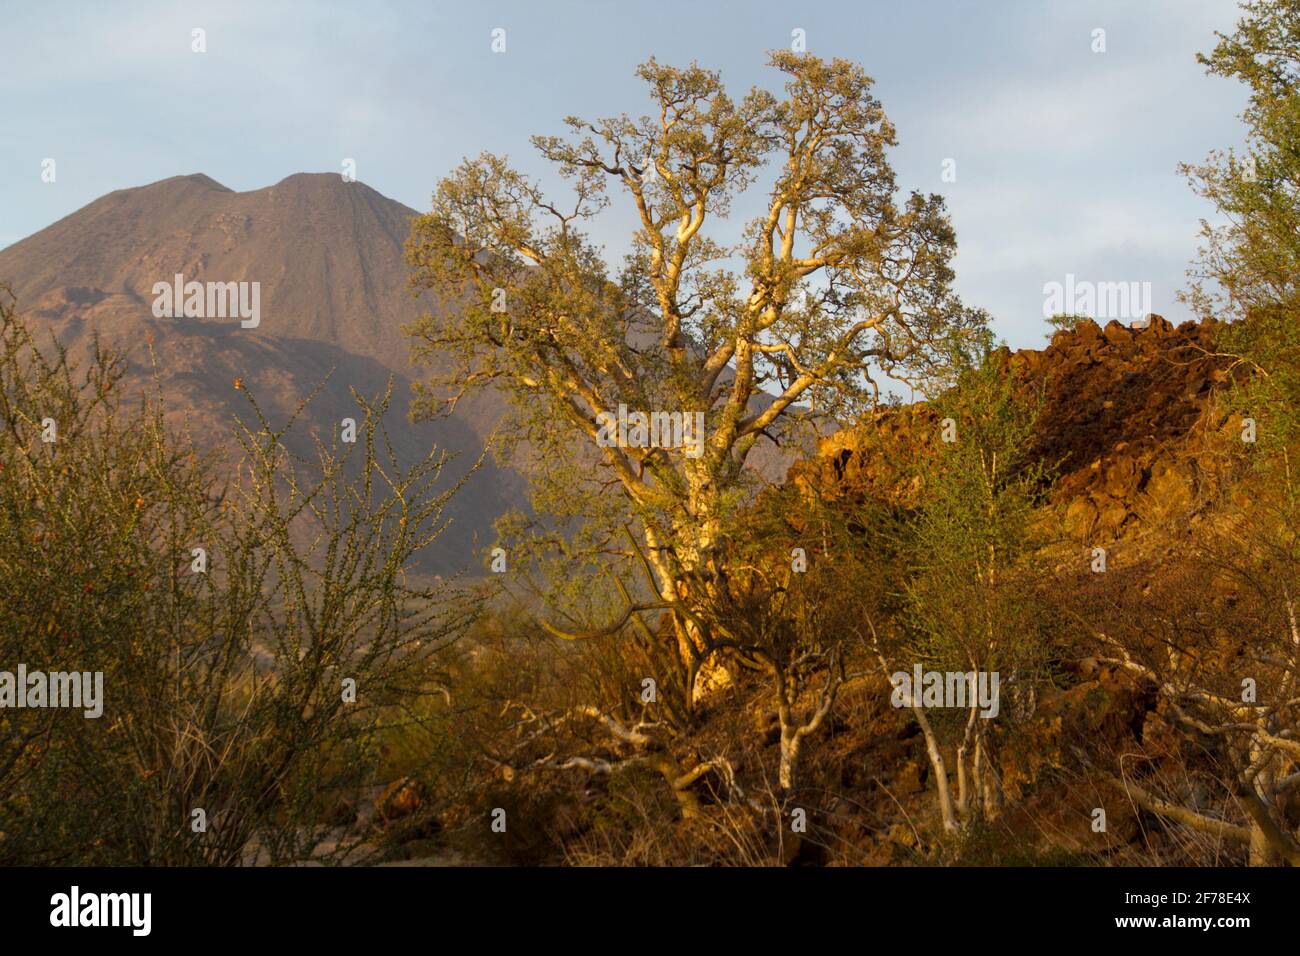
{"x": 1067, "y": 322}
{"x": 1254, "y": 259}
{"x": 836, "y": 282}
{"x": 223, "y": 691}
{"x": 1249, "y": 267}
{"x": 970, "y": 598}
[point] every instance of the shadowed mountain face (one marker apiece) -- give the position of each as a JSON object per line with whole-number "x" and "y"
{"x": 333, "y": 297}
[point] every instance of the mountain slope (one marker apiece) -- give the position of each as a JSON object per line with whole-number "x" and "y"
{"x": 327, "y": 255}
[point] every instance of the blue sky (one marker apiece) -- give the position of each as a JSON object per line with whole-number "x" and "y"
{"x": 1066, "y": 159}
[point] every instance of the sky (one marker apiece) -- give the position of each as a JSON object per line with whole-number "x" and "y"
{"x": 1065, "y": 157}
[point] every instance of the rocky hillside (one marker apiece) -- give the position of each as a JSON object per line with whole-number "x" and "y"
{"x": 1140, "y": 446}
{"x": 1126, "y": 419}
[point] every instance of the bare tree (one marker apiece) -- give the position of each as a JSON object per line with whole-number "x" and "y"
{"x": 1218, "y": 640}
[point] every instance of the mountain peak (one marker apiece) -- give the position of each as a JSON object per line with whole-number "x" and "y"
{"x": 313, "y": 179}
{"x": 331, "y": 189}
{"x": 326, "y": 257}
{"x": 193, "y": 179}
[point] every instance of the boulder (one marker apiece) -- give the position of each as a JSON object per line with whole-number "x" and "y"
{"x": 399, "y": 799}
{"x": 1080, "y": 519}
{"x": 1169, "y": 488}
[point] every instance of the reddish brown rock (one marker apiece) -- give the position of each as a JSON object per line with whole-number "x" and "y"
{"x": 401, "y": 798}
{"x": 1125, "y": 416}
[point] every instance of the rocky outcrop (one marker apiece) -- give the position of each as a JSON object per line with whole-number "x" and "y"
{"x": 1127, "y": 422}
{"x": 401, "y": 798}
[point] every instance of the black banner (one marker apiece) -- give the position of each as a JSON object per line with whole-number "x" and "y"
{"x": 371, "y": 905}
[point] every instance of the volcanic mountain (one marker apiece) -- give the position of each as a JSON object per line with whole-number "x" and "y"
{"x": 327, "y": 254}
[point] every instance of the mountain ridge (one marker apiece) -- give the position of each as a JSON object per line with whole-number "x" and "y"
{"x": 328, "y": 257}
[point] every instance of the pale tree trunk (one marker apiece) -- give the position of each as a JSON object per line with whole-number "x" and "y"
{"x": 791, "y": 743}
{"x": 669, "y": 587}
{"x": 964, "y": 756}
{"x": 693, "y": 552}
{"x": 940, "y": 769}
{"x": 792, "y": 731}
{"x": 1262, "y": 852}
{"x": 699, "y": 558}
{"x": 986, "y": 774}
{"x": 1266, "y": 837}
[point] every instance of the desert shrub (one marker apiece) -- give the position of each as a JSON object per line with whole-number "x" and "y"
{"x": 223, "y": 669}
